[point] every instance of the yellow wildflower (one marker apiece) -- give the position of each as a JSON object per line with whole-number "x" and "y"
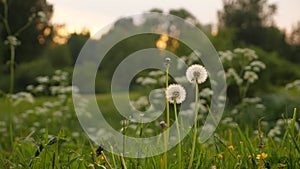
{"x": 213, "y": 167}
{"x": 262, "y": 156}
{"x": 281, "y": 165}
{"x": 230, "y": 147}
{"x": 220, "y": 156}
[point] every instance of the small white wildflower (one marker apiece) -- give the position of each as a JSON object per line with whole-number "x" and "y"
{"x": 42, "y": 79}
{"x": 256, "y": 69}
{"x": 20, "y": 97}
{"x": 227, "y": 120}
{"x": 260, "y": 106}
{"x": 247, "y": 67}
{"x": 146, "y": 81}
{"x": 258, "y": 64}
{"x": 47, "y": 104}
{"x": 180, "y": 63}
{"x": 196, "y": 73}
{"x": 162, "y": 79}
{"x": 289, "y": 86}
{"x": 248, "y": 53}
{"x": 40, "y": 88}
{"x": 156, "y": 73}
{"x": 206, "y": 92}
{"x": 274, "y": 131}
{"x": 175, "y": 93}
{"x": 91, "y": 129}
{"x": 75, "y": 89}
{"x": 36, "y": 124}
{"x": 141, "y": 102}
{"x": 149, "y": 81}
{"x": 250, "y": 76}
{"x": 42, "y": 16}
{"x": 181, "y": 79}
{"x": 232, "y": 73}
{"x": 149, "y": 131}
{"x": 226, "y": 55}
{"x": 75, "y": 134}
{"x": 58, "y": 72}
{"x": 12, "y": 40}
{"x": 253, "y": 100}
{"x": 30, "y": 87}
{"x": 57, "y": 114}
{"x": 295, "y": 84}
{"x": 234, "y": 111}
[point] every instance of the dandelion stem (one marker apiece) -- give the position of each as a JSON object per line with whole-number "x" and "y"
{"x": 195, "y": 127}
{"x": 166, "y": 135}
{"x": 167, "y": 103}
{"x": 179, "y": 139}
{"x": 124, "y": 136}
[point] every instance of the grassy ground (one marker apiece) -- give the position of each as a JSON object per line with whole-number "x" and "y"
{"x": 54, "y": 139}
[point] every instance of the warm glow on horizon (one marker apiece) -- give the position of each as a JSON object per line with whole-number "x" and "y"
{"x": 94, "y": 15}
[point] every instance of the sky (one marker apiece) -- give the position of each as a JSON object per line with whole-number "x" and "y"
{"x": 95, "y": 14}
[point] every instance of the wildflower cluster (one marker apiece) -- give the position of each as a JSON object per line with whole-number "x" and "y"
{"x": 48, "y": 110}
{"x": 293, "y": 85}
{"x": 57, "y": 84}
{"x": 242, "y": 68}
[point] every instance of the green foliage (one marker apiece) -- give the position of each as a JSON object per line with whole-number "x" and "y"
{"x": 47, "y": 134}
{"x": 60, "y": 142}
{"x": 182, "y": 13}
{"x": 26, "y": 73}
{"x": 35, "y": 36}
{"x": 251, "y": 22}
{"x": 224, "y": 40}
{"x": 76, "y": 42}
{"x": 59, "y": 56}
{"x": 246, "y": 13}
{"x": 278, "y": 73}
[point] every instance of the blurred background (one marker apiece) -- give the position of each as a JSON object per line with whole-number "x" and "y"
{"x": 271, "y": 28}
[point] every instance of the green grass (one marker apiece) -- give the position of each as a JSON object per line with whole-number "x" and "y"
{"x": 61, "y": 143}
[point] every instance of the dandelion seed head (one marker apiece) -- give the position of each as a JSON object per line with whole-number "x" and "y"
{"x": 167, "y": 61}
{"x": 163, "y": 125}
{"x": 196, "y": 73}
{"x": 175, "y": 93}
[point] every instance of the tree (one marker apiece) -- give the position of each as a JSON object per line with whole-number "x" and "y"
{"x": 76, "y": 42}
{"x": 246, "y": 13}
{"x": 246, "y": 18}
{"x": 294, "y": 37}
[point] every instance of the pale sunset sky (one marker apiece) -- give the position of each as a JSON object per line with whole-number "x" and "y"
{"x": 95, "y": 14}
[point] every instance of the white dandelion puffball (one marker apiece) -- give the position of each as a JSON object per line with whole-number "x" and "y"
{"x": 196, "y": 73}
{"x": 175, "y": 93}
